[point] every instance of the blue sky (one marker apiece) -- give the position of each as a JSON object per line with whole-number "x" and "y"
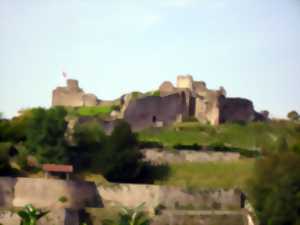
{"x": 251, "y": 47}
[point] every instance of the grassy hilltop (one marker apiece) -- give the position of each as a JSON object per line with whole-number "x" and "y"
{"x": 256, "y": 137}
{"x": 251, "y": 136}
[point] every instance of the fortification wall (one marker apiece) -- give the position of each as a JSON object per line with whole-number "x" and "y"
{"x": 45, "y": 193}
{"x": 185, "y": 81}
{"x": 158, "y": 156}
{"x": 89, "y": 100}
{"x": 166, "y": 88}
{"x": 146, "y": 111}
{"x": 63, "y": 97}
{"x": 236, "y": 110}
{"x": 72, "y": 95}
{"x": 207, "y": 108}
{"x": 132, "y": 195}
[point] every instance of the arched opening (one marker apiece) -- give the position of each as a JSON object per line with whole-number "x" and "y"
{"x": 153, "y": 119}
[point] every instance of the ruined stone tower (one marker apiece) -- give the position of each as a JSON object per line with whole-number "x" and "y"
{"x": 72, "y": 95}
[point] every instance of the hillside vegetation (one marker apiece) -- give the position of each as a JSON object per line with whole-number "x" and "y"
{"x": 97, "y": 111}
{"x": 252, "y": 136}
{"x": 210, "y": 174}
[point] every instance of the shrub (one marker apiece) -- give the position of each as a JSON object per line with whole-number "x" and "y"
{"x": 150, "y": 144}
{"x": 128, "y": 216}
{"x": 156, "y": 93}
{"x": 120, "y": 159}
{"x": 30, "y": 215}
{"x": 194, "y": 146}
{"x": 275, "y": 188}
{"x": 4, "y": 158}
{"x": 90, "y": 139}
{"x": 293, "y": 115}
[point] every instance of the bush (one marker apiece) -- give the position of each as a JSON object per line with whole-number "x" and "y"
{"x": 120, "y": 159}
{"x": 4, "y": 158}
{"x": 275, "y": 189}
{"x": 128, "y": 216}
{"x": 90, "y": 139}
{"x": 156, "y": 93}
{"x": 194, "y": 146}
{"x": 150, "y": 144}
{"x": 244, "y": 152}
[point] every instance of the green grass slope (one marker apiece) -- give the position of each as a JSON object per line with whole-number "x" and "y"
{"x": 252, "y": 136}
{"x": 210, "y": 174}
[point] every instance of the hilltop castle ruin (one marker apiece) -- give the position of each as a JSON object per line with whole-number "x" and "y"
{"x": 72, "y": 95}
{"x": 187, "y": 100}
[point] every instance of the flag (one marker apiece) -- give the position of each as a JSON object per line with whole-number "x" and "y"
{"x": 64, "y": 74}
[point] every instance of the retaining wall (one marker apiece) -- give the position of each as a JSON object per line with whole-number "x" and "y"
{"x": 48, "y": 193}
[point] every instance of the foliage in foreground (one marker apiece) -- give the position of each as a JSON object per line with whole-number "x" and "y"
{"x": 30, "y": 215}
{"x": 128, "y": 216}
{"x": 275, "y": 190}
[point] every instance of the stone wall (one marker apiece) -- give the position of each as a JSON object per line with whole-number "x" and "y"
{"x": 54, "y": 217}
{"x": 158, "y": 156}
{"x": 185, "y": 81}
{"x": 146, "y": 111}
{"x": 45, "y": 193}
{"x": 166, "y": 88}
{"x": 72, "y": 95}
{"x": 132, "y": 195}
{"x": 188, "y": 217}
{"x": 236, "y": 110}
{"x": 207, "y": 107}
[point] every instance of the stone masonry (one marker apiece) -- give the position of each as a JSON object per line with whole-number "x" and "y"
{"x": 72, "y": 95}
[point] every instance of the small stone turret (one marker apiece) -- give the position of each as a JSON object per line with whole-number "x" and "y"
{"x": 185, "y": 81}
{"x": 72, "y": 85}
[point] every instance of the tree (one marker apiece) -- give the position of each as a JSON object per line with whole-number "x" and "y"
{"x": 275, "y": 190}
{"x": 45, "y": 135}
{"x": 293, "y": 115}
{"x": 90, "y": 139}
{"x": 4, "y": 158}
{"x": 120, "y": 160}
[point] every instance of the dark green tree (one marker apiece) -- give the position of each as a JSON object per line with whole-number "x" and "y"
{"x": 120, "y": 159}
{"x": 275, "y": 190}
{"x": 90, "y": 140}
{"x": 293, "y": 115}
{"x": 45, "y": 135}
{"x": 4, "y": 158}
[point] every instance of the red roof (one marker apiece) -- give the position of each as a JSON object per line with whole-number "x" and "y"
{"x": 58, "y": 168}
